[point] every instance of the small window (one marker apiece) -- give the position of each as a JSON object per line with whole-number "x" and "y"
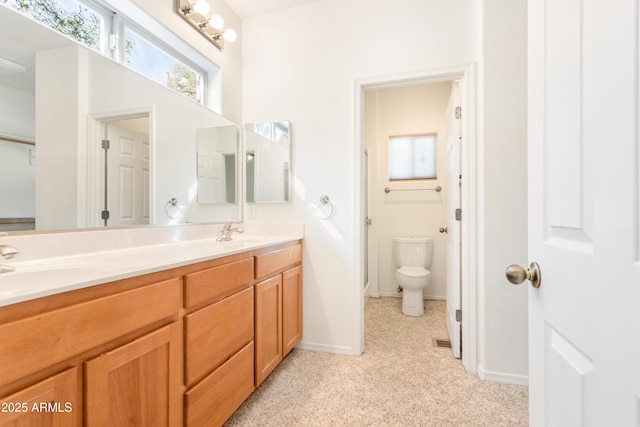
{"x": 69, "y": 17}
{"x": 148, "y": 59}
{"x": 412, "y": 156}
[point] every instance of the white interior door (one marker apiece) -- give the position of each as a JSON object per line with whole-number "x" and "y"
{"x": 127, "y": 175}
{"x": 583, "y": 213}
{"x": 211, "y": 172}
{"x": 453, "y": 225}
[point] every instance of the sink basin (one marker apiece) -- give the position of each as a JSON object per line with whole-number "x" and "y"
{"x": 34, "y": 279}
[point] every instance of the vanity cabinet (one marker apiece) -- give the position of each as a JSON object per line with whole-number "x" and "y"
{"x": 183, "y": 346}
{"x": 219, "y": 349}
{"x": 278, "y": 307}
{"x": 94, "y": 356}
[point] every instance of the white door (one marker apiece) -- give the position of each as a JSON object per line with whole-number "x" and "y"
{"x": 453, "y": 225}
{"x": 211, "y": 172}
{"x": 583, "y": 213}
{"x": 127, "y": 190}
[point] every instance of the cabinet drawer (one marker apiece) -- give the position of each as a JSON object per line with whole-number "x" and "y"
{"x": 272, "y": 262}
{"x": 213, "y": 400}
{"x": 217, "y": 282}
{"x": 216, "y": 332}
{"x": 37, "y": 342}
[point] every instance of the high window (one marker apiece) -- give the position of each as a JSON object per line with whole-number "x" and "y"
{"x": 412, "y": 157}
{"x": 118, "y": 37}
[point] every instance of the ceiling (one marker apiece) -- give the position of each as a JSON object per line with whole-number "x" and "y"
{"x": 248, "y": 8}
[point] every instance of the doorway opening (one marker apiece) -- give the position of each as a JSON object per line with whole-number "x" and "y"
{"x": 119, "y": 182}
{"x": 412, "y": 211}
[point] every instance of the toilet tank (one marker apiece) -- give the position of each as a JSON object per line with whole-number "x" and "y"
{"x": 412, "y": 251}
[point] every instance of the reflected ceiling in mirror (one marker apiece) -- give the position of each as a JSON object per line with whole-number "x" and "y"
{"x": 268, "y": 162}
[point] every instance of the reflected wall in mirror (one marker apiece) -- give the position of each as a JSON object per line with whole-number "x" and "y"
{"x": 63, "y": 100}
{"x": 217, "y": 158}
{"x": 268, "y": 162}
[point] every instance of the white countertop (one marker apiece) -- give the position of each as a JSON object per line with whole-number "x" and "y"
{"x": 36, "y": 278}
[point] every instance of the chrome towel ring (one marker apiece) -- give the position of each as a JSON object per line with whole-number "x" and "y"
{"x": 173, "y": 209}
{"x": 323, "y": 208}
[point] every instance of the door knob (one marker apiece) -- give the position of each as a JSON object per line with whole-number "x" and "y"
{"x": 516, "y": 274}
{"x": 443, "y": 229}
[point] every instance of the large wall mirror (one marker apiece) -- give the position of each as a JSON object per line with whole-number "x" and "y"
{"x": 268, "y": 162}
{"x": 59, "y": 101}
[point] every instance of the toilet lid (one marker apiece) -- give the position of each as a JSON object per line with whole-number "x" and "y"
{"x": 414, "y": 271}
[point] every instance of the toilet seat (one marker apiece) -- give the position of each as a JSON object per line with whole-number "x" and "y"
{"x": 413, "y": 272}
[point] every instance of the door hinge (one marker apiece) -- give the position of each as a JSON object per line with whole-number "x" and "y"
{"x": 458, "y": 315}
{"x": 458, "y": 112}
{"x": 458, "y": 214}
{"x": 104, "y": 214}
{"x": 106, "y": 144}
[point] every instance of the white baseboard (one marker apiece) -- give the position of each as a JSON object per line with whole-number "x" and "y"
{"x": 323, "y": 348}
{"x": 399, "y": 295}
{"x": 501, "y": 377}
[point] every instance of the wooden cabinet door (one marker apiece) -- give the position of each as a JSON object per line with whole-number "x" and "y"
{"x": 54, "y": 402}
{"x": 291, "y": 309}
{"x": 138, "y": 384}
{"x": 268, "y": 339}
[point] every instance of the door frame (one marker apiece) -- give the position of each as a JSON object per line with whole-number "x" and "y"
{"x": 95, "y": 129}
{"x": 466, "y": 74}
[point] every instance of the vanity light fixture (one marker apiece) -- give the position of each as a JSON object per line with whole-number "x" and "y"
{"x": 196, "y": 13}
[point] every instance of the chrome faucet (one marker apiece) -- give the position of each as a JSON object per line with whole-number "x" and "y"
{"x": 7, "y": 252}
{"x": 227, "y": 231}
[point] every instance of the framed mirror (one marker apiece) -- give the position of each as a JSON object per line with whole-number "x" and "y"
{"x": 268, "y": 162}
{"x": 54, "y": 137}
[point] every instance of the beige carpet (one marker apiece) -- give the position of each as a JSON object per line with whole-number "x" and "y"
{"x": 400, "y": 380}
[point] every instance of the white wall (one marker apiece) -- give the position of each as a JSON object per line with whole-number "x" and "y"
{"x": 502, "y": 308}
{"x": 301, "y": 65}
{"x": 17, "y": 173}
{"x": 403, "y": 111}
{"x": 229, "y": 60}
{"x": 17, "y": 112}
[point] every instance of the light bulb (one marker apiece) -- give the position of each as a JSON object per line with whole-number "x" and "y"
{"x": 216, "y": 22}
{"x": 201, "y": 7}
{"x": 229, "y": 35}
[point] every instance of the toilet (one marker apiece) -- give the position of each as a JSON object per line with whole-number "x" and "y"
{"x": 412, "y": 256}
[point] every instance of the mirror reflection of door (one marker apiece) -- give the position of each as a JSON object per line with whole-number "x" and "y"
{"x": 216, "y": 163}
{"x": 126, "y": 192}
{"x": 211, "y": 173}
